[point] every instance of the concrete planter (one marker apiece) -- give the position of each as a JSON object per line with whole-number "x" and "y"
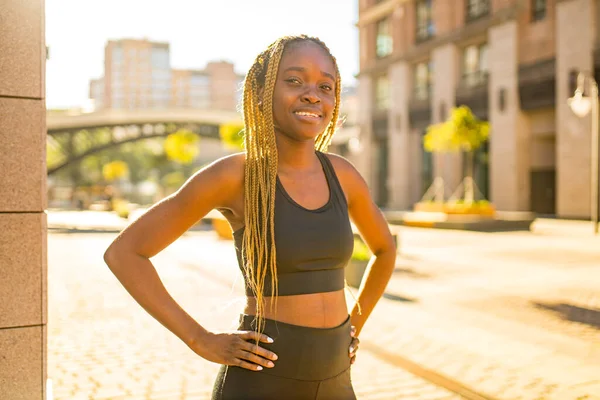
{"x": 482, "y": 210}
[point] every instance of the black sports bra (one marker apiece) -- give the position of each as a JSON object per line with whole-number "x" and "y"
{"x": 313, "y": 246}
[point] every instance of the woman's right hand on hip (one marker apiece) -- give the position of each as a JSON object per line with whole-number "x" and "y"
{"x": 237, "y": 348}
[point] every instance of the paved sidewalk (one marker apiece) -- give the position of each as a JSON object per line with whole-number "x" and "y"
{"x": 102, "y": 345}
{"x": 514, "y": 315}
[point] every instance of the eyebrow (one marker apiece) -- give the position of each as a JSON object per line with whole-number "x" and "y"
{"x": 301, "y": 69}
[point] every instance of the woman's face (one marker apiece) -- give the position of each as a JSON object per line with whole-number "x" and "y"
{"x": 304, "y": 96}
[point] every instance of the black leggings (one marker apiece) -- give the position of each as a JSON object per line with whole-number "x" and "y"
{"x": 312, "y": 363}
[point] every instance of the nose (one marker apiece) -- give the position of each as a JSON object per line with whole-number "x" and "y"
{"x": 310, "y": 96}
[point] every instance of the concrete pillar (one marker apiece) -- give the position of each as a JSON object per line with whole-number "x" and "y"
{"x": 22, "y": 200}
{"x": 399, "y": 178}
{"x": 445, "y": 77}
{"x": 574, "y": 47}
{"x": 509, "y": 133}
{"x": 365, "y": 120}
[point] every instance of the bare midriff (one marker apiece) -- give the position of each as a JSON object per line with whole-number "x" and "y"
{"x": 315, "y": 310}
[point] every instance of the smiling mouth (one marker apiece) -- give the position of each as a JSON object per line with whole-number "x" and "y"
{"x": 307, "y": 114}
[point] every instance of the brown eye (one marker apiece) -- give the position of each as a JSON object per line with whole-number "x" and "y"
{"x": 293, "y": 80}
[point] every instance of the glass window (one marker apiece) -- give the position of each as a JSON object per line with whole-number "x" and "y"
{"x": 425, "y": 27}
{"x": 382, "y": 93}
{"x": 199, "y": 81}
{"x": 384, "y": 44}
{"x": 538, "y": 10}
{"x": 160, "y": 58}
{"x": 423, "y": 75}
{"x": 477, "y": 8}
{"x": 117, "y": 56}
{"x": 475, "y": 64}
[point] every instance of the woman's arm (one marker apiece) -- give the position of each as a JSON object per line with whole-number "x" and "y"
{"x": 128, "y": 257}
{"x": 374, "y": 229}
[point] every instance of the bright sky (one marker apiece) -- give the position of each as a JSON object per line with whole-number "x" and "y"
{"x": 199, "y": 31}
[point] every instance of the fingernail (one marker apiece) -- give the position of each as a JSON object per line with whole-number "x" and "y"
{"x": 274, "y": 357}
{"x": 270, "y": 364}
{"x": 259, "y": 368}
{"x": 351, "y": 349}
{"x": 269, "y": 340}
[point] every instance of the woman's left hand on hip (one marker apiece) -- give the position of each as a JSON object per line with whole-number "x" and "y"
{"x": 353, "y": 345}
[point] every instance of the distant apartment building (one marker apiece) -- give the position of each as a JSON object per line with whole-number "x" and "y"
{"x": 513, "y": 62}
{"x": 97, "y": 92}
{"x": 138, "y": 75}
{"x": 215, "y": 87}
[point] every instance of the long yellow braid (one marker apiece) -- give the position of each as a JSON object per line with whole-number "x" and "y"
{"x": 258, "y": 247}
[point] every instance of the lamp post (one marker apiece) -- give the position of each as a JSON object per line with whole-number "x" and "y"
{"x": 581, "y": 106}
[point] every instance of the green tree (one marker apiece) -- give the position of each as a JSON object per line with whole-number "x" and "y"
{"x": 182, "y": 146}
{"x": 461, "y": 132}
{"x": 232, "y": 135}
{"x": 115, "y": 170}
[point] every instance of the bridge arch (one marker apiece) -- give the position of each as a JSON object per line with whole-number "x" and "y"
{"x": 126, "y": 126}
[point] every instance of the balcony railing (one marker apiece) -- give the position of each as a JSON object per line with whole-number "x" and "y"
{"x": 537, "y": 83}
{"x": 473, "y": 79}
{"x": 421, "y": 93}
{"x": 472, "y": 91}
{"x": 419, "y": 107}
{"x": 477, "y": 9}
{"x": 425, "y": 32}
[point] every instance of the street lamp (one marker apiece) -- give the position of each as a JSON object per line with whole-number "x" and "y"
{"x": 581, "y": 106}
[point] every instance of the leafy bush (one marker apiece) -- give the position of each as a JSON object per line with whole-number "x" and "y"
{"x": 361, "y": 252}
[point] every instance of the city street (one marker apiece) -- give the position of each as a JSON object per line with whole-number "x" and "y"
{"x": 500, "y": 316}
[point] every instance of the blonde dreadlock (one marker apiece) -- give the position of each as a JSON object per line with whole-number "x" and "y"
{"x": 258, "y": 246}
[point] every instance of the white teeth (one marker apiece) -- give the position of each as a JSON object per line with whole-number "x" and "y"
{"x": 307, "y": 114}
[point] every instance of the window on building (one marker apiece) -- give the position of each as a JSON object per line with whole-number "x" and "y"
{"x": 475, "y": 64}
{"x": 384, "y": 41}
{"x": 425, "y": 26}
{"x": 382, "y": 93}
{"x": 160, "y": 58}
{"x": 423, "y": 74}
{"x": 538, "y": 10}
{"x": 477, "y": 8}
{"x": 117, "y": 55}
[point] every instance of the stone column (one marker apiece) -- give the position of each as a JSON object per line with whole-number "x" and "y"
{"x": 574, "y": 47}
{"x": 399, "y": 178}
{"x": 22, "y": 200}
{"x": 445, "y": 77}
{"x": 364, "y": 160}
{"x": 509, "y": 130}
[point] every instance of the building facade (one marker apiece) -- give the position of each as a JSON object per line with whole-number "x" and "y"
{"x": 513, "y": 62}
{"x": 138, "y": 75}
{"x": 23, "y": 243}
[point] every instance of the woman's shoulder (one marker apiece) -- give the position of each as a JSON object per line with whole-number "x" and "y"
{"x": 230, "y": 167}
{"x": 350, "y": 179}
{"x": 233, "y": 162}
{"x": 343, "y": 167}
{"x": 224, "y": 174}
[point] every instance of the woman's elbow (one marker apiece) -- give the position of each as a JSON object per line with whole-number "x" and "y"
{"x": 111, "y": 256}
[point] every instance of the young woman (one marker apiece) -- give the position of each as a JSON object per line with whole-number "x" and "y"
{"x": 289, "y": 204}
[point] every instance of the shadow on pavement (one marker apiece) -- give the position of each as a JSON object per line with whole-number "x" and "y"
{"x": 570, "y": 312}
{"x": 411, "y": 273}
{"x": 395, "y": 297}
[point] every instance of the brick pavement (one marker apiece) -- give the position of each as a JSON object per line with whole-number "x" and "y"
{"x": 513, "y": 315}
{"x": 102, "y": 345}
{"x": 475, "y": 320}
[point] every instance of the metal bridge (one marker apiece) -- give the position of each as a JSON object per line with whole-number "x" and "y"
{"x": 74, "y": 136}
